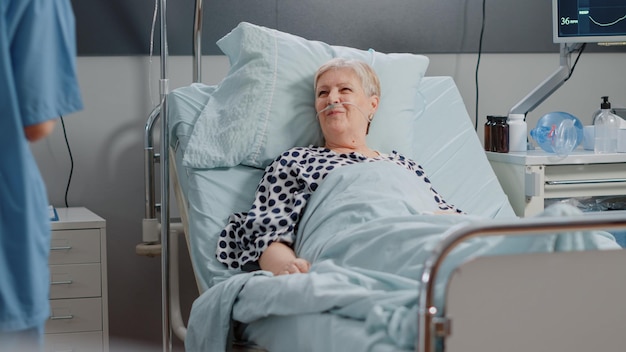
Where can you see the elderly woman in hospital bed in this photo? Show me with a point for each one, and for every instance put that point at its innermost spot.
(347, 94)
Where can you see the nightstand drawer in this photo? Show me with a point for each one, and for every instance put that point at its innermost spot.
(77, 341)
(585, 180)
(75, 246)
(74, 315)
(75, 281)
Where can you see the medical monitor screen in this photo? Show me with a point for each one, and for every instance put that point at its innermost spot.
(589, 21)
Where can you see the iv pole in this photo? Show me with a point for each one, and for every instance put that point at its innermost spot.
(165, 183)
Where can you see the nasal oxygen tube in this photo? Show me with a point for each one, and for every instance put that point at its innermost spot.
(337, 105)
(342, 104)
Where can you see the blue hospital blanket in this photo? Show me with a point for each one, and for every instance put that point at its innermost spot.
(367, 236)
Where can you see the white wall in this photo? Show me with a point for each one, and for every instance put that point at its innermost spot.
(504, 79)
(106, 140)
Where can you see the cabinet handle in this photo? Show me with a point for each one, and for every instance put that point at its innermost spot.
(62, 248)
(62, 317)
(580, 182)
(65, 282)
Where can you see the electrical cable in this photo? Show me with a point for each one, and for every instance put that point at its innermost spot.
(480, 49)
(571, 71)
(69, 150)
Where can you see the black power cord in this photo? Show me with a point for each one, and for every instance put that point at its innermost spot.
(571, 71)
(69, 150)
(480, 49)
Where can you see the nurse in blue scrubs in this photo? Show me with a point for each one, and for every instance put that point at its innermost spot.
(37, 85)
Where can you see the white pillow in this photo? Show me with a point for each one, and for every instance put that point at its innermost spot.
(265, 104)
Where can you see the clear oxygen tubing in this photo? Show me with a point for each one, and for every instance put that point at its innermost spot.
(369, 119)
(341, 105)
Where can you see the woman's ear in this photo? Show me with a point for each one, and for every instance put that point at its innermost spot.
(374, 100)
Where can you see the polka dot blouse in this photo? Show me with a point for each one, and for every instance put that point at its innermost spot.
(282, 195)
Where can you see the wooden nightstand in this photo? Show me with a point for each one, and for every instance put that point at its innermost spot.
(78, 276)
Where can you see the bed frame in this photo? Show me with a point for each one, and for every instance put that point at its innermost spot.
(485, 311)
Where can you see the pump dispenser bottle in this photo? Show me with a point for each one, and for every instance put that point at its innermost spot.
(606, 128)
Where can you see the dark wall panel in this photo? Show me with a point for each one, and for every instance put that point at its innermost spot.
(123, 27)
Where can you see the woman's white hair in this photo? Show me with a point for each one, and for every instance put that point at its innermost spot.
(369, 79)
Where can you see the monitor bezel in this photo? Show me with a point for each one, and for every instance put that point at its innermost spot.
(579, 39)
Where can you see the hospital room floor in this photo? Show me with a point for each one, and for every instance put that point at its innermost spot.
(124, 345)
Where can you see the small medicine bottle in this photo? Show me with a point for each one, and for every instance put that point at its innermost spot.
(487, 136)
(500, 135)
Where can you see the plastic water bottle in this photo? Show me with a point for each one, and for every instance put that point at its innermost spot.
(606, 127)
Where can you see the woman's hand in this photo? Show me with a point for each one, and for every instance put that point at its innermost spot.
(443, 212)
(280, 259)
(296, 266)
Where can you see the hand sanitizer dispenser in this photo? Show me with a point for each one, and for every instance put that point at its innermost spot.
(606, 129)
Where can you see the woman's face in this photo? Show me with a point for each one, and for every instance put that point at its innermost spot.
(337, 86)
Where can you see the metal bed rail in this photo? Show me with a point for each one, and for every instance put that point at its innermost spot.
(432, 324)
(150, 224)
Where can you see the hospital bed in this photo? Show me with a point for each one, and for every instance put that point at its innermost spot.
(220, 138)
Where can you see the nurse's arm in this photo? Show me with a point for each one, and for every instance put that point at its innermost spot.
(39, 130)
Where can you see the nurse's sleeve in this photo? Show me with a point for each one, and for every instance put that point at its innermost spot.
(44, 61)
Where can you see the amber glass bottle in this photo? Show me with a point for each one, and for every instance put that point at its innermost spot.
(488, 126)
(500, 135)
